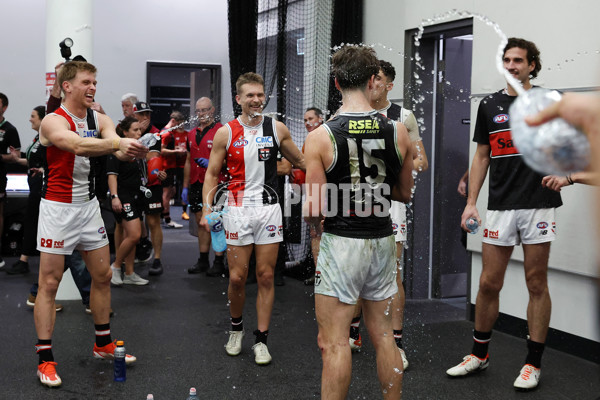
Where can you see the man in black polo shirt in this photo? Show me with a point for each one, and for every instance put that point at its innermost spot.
(9, 137)
(520, 210)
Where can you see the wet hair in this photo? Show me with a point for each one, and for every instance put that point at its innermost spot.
(125, 125)
(388, 70)
(533, 54)
(70, 70)
(131, 97)
(4, 99)
(316, 110)
(248, 77)
(353, 66)
(177, 116)
(41, 111)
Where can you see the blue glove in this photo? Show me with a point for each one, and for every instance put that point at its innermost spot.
(203, 162)
(184, 196)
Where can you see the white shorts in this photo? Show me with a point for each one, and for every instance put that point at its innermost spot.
(350, 268)
(398, 215)
(258, 225)
(64, 227)
(511, 227)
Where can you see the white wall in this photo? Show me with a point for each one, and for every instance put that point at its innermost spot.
(569, 45)
(126, 34)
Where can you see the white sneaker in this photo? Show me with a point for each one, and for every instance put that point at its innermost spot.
(261, 354)
(404, 360)
(528, 378)
(234, 344)
(469, 365)
(174, 224)
(116, 276)
(134, 279)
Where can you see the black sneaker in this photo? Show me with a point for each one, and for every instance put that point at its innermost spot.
(20, 267)
(198, 268)
(156, 268)
(217, 269)
(144, 251)
(278, 278)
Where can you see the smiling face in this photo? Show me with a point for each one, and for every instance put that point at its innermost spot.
(251, 98)
(35, 121)
(82, 88)
(311, 120)
(515, 62)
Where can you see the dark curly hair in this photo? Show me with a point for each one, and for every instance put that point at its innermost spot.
(533, 54)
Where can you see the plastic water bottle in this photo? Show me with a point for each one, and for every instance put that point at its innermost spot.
(150, 396)
(552, 148)
(217, 233)
(473, 225)
(120, 371)
(193, 395)
(149, 139)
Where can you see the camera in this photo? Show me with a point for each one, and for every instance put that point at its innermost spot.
(65, 51)
(147, 192)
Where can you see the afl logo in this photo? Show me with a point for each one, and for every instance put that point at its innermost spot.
(101, 230)
(240, 143)
(501, 118)
(271, 228)
(394, 226)
(542, 225)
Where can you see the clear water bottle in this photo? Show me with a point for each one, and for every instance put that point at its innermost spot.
(149, 139)
(120, 371)
(193, 395)
(217, 233)
(555, 147)
(472, 225)
(150, 396)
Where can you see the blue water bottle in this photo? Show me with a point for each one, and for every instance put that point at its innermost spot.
(217, 233)
(472, 225)
(120, 371)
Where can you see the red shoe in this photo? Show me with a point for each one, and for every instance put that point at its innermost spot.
(108, 353)
(356, 344)
(47, 374)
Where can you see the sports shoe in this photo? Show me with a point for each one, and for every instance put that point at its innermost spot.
(198, 268)
(31, 303)
(144, 251)
(234, 344)
(116, 276)
(108, 353)
(261, 354)
(185, 216)
(2, 263)
(528, 378)
(355, 344)
(47, 374)
(134, 279)
(174, 225)
(19, 267)
(404, 360)
(470, 364)
(156, 268)
(217, 269)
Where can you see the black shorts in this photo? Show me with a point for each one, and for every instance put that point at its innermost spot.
(195, 197)
(133, 206)
(154, 203)
(174, 175)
